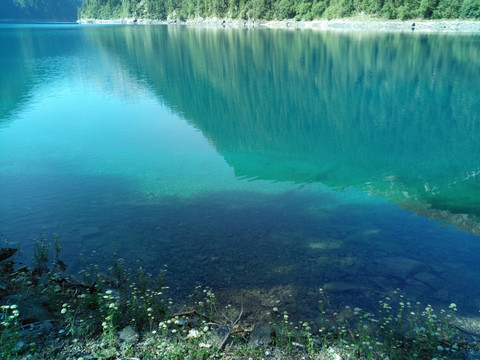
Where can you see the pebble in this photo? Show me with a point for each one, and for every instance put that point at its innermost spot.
(298, 345)
(128, 335)
(19, 347)
(193, 333)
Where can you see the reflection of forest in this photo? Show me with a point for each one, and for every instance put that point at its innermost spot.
(396, 115)
(59, 10)
(16, 77)
(23, 50)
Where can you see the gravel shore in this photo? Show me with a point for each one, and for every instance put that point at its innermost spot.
(423, 26)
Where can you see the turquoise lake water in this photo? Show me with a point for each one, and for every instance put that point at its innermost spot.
(266, 164)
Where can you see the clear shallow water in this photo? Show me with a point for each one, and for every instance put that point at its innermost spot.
(266, 164)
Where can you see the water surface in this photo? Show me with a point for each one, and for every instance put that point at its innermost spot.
(266, 164)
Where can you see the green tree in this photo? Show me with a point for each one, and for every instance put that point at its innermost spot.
(470, 9)
(285, 9)
(426, 8)
(262, 9)
(318, 8)
(257, 9)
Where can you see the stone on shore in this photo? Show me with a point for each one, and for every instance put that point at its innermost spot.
(128, 335)
(6, 253)
(361, 24)
(260, 336)
(217, 336)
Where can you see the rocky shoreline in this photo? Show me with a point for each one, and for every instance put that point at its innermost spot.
(47, 313)
(422, 26)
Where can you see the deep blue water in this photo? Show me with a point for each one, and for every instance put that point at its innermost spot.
(265, 164)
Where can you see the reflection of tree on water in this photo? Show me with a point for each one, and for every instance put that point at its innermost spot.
(388, 114)
(305, 108)
(23, 50)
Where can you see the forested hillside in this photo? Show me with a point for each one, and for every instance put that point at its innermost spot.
(36, 10)
(281, 9)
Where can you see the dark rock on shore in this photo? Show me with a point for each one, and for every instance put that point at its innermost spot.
(33, 308)
(260, 336)
(6, 253)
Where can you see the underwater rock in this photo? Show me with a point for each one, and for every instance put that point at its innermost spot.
(429, 279)
(338, 286)
(200, 258)
(442, 295)
(89, 232)
(416, 288)
(400, 267)
(386, 284)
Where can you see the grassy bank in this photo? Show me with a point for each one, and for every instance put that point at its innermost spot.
(47, 313)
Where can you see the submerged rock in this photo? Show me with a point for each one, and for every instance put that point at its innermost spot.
(386, 283)
(89, 232)
(429, 279)
(416, 288)
(338, 286)
(399, 267)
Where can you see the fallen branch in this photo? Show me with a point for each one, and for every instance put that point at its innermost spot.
(239, 331)
(191, 313)
(230, 332)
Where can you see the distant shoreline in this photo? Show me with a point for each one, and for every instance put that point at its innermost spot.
(423, 26)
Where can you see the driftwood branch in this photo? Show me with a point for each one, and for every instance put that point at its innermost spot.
(192, 313)
(230, 332)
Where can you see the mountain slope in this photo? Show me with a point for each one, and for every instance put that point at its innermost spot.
(39, 10)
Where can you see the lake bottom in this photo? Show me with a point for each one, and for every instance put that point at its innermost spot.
(260, 250)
